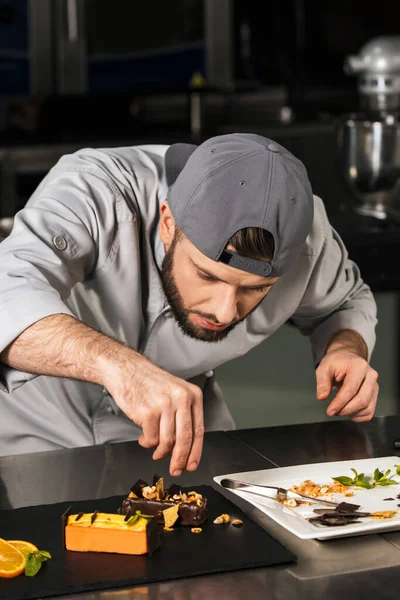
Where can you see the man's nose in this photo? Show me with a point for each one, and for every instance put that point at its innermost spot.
(225, 306)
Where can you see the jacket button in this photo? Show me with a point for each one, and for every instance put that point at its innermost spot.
(209, 373)
(60, 242)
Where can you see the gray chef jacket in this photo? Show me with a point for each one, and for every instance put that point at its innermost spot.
(87, 245)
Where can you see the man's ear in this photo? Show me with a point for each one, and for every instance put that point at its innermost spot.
(167, 225)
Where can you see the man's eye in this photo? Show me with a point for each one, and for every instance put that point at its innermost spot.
(260, 289)
(205, 277)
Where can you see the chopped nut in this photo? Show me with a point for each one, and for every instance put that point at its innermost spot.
(199, 502)
(196, 530)
(291, 502)
(313, 490)
(168, 529)
(176, 497)
(132, 495)
(224, 518)
(149, 492)
(237, 522)
(196, 495)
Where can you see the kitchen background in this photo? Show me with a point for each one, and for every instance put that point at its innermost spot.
(78, 73)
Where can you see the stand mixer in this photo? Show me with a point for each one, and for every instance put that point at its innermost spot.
(369, 140)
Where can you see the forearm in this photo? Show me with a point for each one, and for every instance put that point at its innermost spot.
(336, 298)
(62, 346)
(168, 409)
(350, 341)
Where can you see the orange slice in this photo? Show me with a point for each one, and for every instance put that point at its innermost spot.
(12, 561)
(23, 546)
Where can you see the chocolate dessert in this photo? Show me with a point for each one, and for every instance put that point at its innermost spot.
(191, 507)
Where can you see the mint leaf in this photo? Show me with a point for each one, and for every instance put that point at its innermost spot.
(385, 482)
(32, 566)
(34, 562)
(382, 478)
(362, 481)
(359, 480)
(363, 484)
(344, 480)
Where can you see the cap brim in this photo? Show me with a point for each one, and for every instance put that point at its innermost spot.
(176, 158)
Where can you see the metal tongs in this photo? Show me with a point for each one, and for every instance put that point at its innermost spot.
(282, 493)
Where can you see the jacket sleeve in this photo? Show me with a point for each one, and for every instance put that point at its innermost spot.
(336, 297)
(55, 243)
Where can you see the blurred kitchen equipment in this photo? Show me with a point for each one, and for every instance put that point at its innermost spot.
(369, 139)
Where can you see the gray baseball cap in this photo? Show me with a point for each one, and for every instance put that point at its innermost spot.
(234, 181)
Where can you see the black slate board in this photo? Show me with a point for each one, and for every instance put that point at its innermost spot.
(182, 553)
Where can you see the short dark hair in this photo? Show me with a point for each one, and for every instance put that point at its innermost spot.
(253, 242)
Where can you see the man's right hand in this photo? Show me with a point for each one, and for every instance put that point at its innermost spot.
(168, 409)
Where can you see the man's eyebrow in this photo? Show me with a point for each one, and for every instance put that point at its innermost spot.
(215, 278)
(206, 272)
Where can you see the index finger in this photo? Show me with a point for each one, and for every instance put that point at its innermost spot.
(198, 433)
(349, 388)
(183, 440)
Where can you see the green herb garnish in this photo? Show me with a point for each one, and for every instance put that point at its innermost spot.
(344, 480)
(140, 514)
(34, 561)
(136, 516)
(359, 480)
(383, 478)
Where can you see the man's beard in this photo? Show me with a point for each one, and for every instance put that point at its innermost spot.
(181, 315)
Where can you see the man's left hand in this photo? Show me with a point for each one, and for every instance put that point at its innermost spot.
(356, 380)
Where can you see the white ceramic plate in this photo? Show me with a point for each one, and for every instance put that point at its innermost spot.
(295, 519)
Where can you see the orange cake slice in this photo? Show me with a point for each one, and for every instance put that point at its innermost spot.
(108, 532)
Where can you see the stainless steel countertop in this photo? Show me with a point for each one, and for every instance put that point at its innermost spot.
(358, 567)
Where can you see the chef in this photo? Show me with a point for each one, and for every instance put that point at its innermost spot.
(132, 273)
